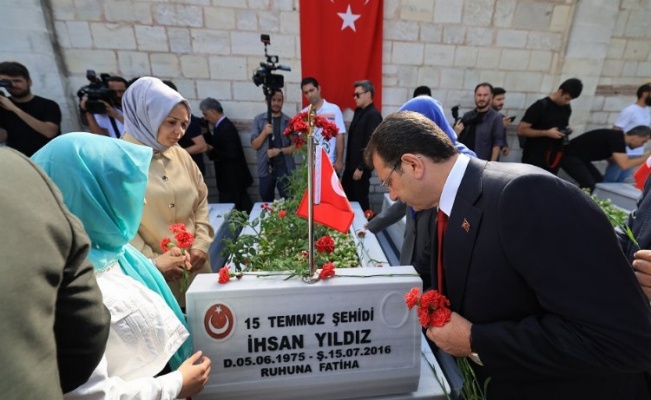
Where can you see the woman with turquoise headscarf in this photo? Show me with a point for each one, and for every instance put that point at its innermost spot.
(103, 182)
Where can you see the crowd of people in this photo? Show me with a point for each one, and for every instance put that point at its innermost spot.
(528, 261)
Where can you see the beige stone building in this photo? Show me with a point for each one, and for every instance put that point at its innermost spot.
(211, 47)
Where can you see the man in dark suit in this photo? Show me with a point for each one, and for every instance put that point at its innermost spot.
(357, 176)
(231, 171)
(640, 255)
(543, 299)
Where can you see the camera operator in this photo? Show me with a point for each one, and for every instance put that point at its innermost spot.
(111, 122)
(29, 121)
(482, 129)
(273, 149)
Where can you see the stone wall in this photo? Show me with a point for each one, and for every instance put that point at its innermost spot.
(211, 47)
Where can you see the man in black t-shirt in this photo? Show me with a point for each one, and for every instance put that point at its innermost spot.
(545, 126)
(30, 121)
(602, 144)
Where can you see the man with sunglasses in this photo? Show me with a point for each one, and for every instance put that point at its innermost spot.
(357, 176)
(544, 304)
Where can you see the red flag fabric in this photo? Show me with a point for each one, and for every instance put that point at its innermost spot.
(642, 173)
(331, 206)
(341, 42)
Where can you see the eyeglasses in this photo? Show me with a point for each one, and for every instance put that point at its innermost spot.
(385, 182)
(358, 94)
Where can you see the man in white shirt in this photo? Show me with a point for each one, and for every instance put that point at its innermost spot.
(335, 147)
(634, 115)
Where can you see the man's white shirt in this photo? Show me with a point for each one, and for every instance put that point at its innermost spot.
(332, 113)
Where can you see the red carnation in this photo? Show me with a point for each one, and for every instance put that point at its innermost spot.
(361, 234)
(440, 317)
(327, 271)
(184, 239)
(369, 214)
(176, 228)
(282, 214)
(325, 245)
(224, 275)
(164, 244)
(412, 297)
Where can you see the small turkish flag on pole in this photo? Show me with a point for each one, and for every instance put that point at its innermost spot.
(642, 173)
(331, 206)
(341, 42)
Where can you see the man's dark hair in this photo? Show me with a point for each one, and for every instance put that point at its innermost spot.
(572, 86)
(486, 84)
(211, 104)
(170, 84)
(643, 89)
(640, 130)
(422, 91)
(308, 80)
(366, 85)
(498, 91)
(13, 68)
(408, 132)
(118, 79)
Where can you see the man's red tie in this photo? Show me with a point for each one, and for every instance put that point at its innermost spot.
(441, 224)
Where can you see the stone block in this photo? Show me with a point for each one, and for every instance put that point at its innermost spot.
(540, 60)
(511, 38)
(560, 18)
(616, 103)
(504, 12)
(246, 110)
(516, 104)
(134, 63)
(123, 11)
(549, 83)
(451, 78)
(210, 41)
(218, 89)
(407, 53)
(447, 12)
(465, 56)
(59, 28)
(612, 68)
(620, 23)
(187, 88)
(230, 3)
(544, 41)
(79, 34)
(151, 38)
(597, 103)
(600, 118)
(430, 33)
(524, 81)
(269, 21)
(259, 4)
(478, 12)
(248, 43)
(428, 76)
(637, 50)
(88, 10)
(454, 34)
(229, 67)
(416, 10)
(616, 48)
(393, 98)
(644, 69)
(61, 10)
(407, 77)
(439, 54)
(246, 20)
(638, 23)
(178, 15)
(247, 91)
(514, 59)
(400, 30)
(470, 80)
(78, 61)
(194, 66)
(179, 40)
(113, 36)
(219, 18)
(289, 23)
(533, 16)
(629, 69)
(488, 57)
(284, 5)
(165, 65)
(479, 36)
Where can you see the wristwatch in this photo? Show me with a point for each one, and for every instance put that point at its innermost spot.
(475, 358)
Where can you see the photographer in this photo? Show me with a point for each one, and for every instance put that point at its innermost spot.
(110, 122)
(273, 150)
(29, 121)
(482, 129)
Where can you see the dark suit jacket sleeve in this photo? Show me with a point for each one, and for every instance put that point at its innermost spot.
(638, 222)
(373, 119)
(593, 317)
(226, 142)
(387, 217)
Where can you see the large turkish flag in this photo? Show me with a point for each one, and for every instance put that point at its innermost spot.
(341, 42)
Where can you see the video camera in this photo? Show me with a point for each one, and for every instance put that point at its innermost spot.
(6, 84)
(468, 119)
(95, 91)
(264, 75)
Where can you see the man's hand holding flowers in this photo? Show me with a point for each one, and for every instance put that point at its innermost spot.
(453, 337)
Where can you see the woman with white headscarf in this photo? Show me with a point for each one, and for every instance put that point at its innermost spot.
(157, 116)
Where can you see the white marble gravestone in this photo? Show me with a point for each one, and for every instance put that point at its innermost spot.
(271, 338)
